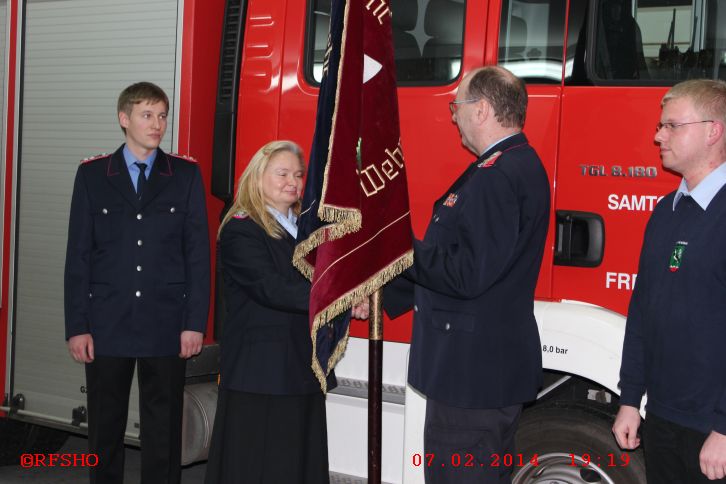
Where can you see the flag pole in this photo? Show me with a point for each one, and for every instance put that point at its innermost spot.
(375, 370)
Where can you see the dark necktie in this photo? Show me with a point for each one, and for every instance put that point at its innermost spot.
(141, 180)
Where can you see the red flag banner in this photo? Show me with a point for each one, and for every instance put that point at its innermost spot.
(354, 231)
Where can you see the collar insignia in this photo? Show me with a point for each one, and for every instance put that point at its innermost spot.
(451, 200)
(489, 161)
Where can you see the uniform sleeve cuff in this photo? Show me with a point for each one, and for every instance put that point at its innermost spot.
(719, 423)
(75, 330)
(199, 328)
(631, 397)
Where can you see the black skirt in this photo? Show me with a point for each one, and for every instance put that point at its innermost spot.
(268, 439)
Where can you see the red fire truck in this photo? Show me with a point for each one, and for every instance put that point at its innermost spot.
(243, 72)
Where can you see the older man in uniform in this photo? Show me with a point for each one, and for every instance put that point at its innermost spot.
(674, 338)
(137, 287)
(475, 349)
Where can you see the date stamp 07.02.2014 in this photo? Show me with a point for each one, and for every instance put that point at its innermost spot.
(468, 461)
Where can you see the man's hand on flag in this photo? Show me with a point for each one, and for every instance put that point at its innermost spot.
(361, 309)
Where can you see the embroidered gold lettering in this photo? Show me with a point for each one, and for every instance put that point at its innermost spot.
(373, 177)
(389, 170)
(395, 154)
(375, 184)
(380, 11)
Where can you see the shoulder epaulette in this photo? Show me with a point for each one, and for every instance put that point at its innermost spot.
(240, 215)
(184, 157)
(490, 161)
(94, 158)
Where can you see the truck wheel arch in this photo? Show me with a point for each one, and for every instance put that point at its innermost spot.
(581, 339)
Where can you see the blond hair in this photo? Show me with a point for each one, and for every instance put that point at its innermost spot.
(708, 97)
(249, 198)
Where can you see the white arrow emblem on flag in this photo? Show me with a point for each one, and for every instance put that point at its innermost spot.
(371, 67)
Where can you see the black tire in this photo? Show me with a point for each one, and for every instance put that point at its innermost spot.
(560, 433)
(22, 437)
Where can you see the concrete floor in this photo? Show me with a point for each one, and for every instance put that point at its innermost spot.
(15, 474)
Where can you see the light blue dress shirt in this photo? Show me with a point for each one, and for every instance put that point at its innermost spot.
(289, 222)
(704, 191)
(134, 169)
(498, 141)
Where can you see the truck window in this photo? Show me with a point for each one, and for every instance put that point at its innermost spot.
(427, 40)
(648, 42)
(531, 38)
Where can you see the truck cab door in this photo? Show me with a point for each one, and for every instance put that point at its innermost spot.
(622, 55)
(531, 45)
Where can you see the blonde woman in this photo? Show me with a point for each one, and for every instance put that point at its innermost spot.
(270, 425)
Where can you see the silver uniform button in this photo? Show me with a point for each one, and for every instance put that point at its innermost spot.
(172, 209)
(448, 326)
(138, 268)
(415, 308)
(139, 242)
(138, 293)
(436, 219)
(104, 211)
(90, 294)
(139, 216)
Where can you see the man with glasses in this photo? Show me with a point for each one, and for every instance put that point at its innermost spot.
(676, 329)
(475, 349)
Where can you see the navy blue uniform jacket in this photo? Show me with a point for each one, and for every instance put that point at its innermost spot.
(266, 345)
(137, 272)
(475, 341)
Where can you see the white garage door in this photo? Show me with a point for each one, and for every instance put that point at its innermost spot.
(78, 55)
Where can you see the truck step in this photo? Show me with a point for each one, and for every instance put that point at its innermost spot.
(351, 387)
(337, 478)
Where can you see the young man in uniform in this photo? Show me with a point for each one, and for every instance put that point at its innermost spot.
(137, 287)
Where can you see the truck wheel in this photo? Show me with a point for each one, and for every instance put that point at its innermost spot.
(573, 444)
(22, 437)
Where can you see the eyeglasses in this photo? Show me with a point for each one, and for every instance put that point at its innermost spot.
(454, 105)
(672, 126)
